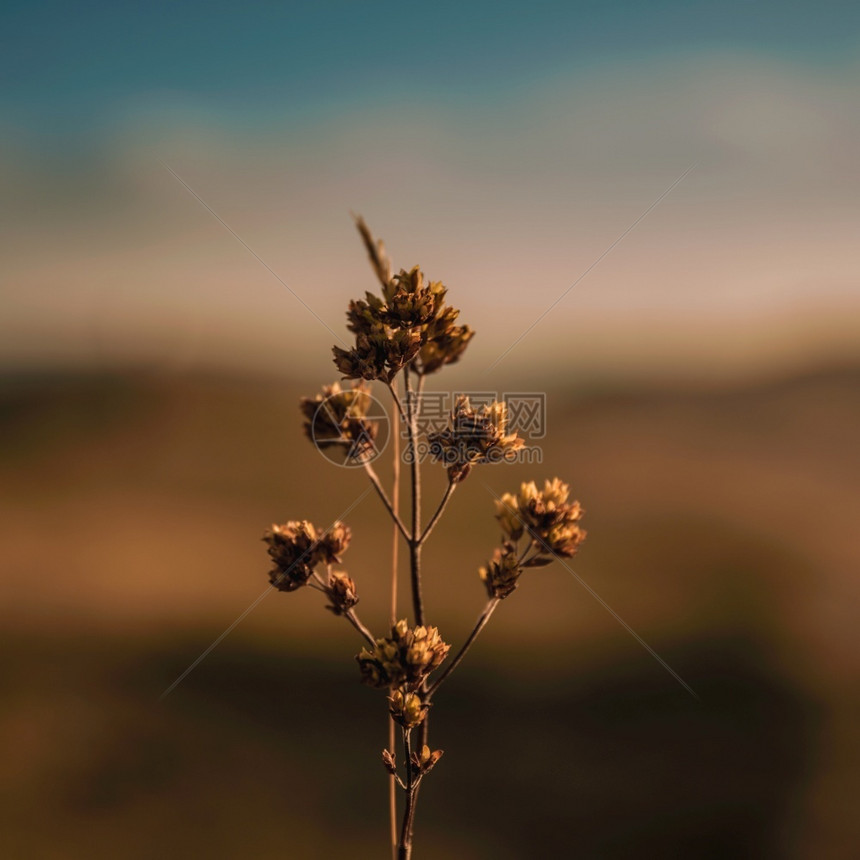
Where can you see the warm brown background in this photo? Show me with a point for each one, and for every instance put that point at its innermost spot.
(722, 523)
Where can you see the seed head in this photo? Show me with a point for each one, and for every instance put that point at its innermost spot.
(474, 436)
(552, 524)
(406, 708)
(405, 657)
(550, 519)
(364, 316)
(501, 573)
(337, 416)
(508, 517)
(445, 343)
(293, 547)
(389, 762)
(425, 761)
(340, 590)
(409, 303)
(297, 547)
(334, 542)
(379, 353)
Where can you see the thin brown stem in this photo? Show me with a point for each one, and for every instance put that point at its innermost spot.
(522, 558)
(395, 549)
(389, 506)
(449, 491)
(395, 506)
(479, 626)
(397, 401)
(417, 599)
(411, 420)
(404, 851)
(350, 616)
(414, 543)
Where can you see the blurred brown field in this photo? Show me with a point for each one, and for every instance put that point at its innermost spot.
(722, 524)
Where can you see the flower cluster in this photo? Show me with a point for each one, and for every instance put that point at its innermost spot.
(474, 436)
(444, 343)
(407, 708)
(338, 416)
(411, 303)
(547, 519)
(501, 573)
(297, 547)
(404, 658)
(546, 515)
(424, 761)
(379, 353)
(409, 323)
(340, 590)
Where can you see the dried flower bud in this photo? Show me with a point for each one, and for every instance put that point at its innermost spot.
(502, 572)
(474, 436)
(334, 542)
(337, 416)
(443, 346)
(294, 549)
(509, 519)
(406, 708)
(340, 590)
(564, 539)
(405, 657)
(425, 761)
(390, 762)
(364, 317)
(379, 353)
(409, 302)
(550, 519)
(401, 347)
(363, 361)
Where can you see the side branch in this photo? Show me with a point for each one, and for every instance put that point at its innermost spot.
(479, 626)
(350, 616)
(374, 479)
(439, 511)
(397, 401)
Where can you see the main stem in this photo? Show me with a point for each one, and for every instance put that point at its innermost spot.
(395, 545)
(411, 417)
(405, 849)
(415, 540)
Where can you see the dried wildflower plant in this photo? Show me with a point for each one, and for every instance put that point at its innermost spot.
(409, 332)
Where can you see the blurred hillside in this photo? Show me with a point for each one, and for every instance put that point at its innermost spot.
(722, 528)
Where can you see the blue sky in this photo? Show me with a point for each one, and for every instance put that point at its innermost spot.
(67, 67)
(502, 146)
